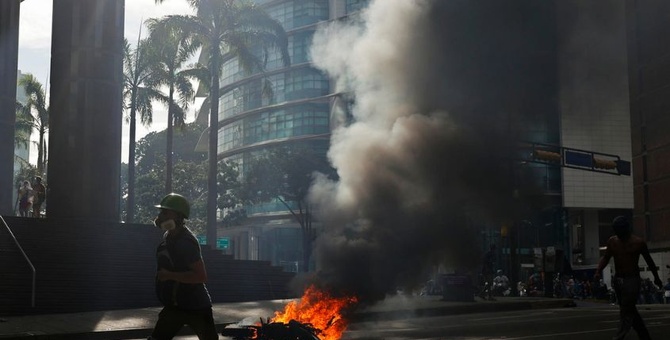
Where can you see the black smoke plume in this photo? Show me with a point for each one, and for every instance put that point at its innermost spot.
(426, 158)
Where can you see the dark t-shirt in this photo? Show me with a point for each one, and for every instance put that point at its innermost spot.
(176, 253)
(489, 260)
(40, 193)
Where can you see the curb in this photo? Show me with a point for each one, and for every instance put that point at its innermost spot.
(465, 308)
(362, 316)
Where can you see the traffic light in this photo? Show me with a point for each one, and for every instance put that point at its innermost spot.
(547, 156)
(504, 230)
(555, 155)
(604, 164)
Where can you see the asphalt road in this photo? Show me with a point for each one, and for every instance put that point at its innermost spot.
(587, 321)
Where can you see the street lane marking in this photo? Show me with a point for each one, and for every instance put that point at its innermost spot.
(644, 319)
(564, 334)
(511, 316)
(573, 333)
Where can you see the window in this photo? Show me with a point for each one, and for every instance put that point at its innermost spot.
(356, 5)
(304, 119)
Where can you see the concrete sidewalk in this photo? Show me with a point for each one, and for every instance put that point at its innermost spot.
(137, 323)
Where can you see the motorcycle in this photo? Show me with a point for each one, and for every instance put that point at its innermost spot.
(501, 289)
(560, 291)
(522, 288)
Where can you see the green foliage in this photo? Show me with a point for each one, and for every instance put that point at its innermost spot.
(23, 126)
(138, 93)
(189, 176)
(284, 173)
(240, 30)
(170, 48)
(138, 90)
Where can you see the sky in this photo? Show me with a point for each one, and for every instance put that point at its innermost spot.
(35, 49)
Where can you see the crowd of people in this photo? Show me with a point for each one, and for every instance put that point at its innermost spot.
(30, 198)
(570, 286)
(580, 288)
(585, 288)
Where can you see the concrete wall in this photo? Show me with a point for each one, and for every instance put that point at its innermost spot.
(591, 237)
(86, 109)
(9, 49)
(650, 92)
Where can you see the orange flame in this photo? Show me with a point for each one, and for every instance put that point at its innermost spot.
(319, 309)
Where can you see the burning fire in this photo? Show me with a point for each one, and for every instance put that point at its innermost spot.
(319, 309)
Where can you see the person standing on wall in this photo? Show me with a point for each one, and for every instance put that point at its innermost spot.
(626, 249)
(181, 275)
(25, 198)
(40, 195)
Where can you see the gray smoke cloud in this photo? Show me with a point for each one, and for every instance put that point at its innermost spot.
(419, 166)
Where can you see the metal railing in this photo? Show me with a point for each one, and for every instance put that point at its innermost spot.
(30, 263)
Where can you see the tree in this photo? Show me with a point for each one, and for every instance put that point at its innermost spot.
(191, 181)
(172, 49)
(22, 127)
(36, 114)
(138, 92)
(238, 29)
(285, 174)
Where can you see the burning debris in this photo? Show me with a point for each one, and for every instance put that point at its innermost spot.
(316, 316)
(292, 330)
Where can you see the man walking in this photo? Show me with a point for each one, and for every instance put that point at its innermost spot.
(626, 249)
(181, 276)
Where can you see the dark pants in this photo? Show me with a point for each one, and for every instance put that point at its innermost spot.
(171, 320)
(627, 290)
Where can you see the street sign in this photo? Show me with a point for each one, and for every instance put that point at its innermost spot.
(577, 158)
(222, 243)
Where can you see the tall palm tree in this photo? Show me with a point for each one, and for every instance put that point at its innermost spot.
(23, 128)
(138, 92)
(172, 49)
(229, 29)
(36, 111)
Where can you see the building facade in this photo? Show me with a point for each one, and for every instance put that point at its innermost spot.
(594, 110)
(649, 77)
(299, 113)
(611, 90)
(561, 73)
(557, 71)
(612, 62)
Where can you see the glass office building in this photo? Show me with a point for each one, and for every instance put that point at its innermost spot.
(298, 113)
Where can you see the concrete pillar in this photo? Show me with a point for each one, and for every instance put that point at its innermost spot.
(591, 237)
(9, 51)
(86, 109)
